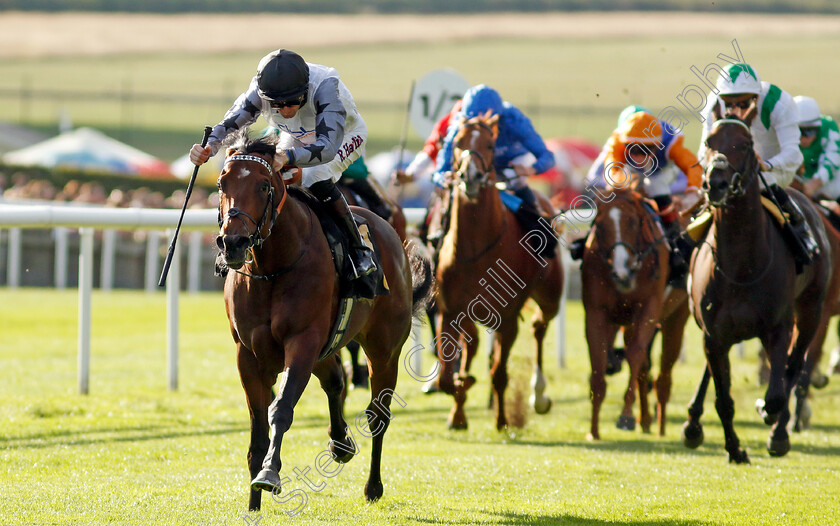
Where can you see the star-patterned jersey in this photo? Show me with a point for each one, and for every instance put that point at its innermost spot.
(314, 135)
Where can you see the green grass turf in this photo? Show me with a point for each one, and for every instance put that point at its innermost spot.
(569, 87)
(132, 452)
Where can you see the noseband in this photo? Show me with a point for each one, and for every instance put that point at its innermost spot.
(256, 239)
(486, 165)
(738, 185)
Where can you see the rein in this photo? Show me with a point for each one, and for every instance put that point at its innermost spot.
(257, 239)
(721, 162)
(641, 255)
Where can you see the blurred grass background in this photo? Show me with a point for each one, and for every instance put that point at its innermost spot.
(569, 87)
(132, 452)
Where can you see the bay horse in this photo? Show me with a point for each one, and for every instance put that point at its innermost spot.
(744, 284)
(624, 272)
(486, 271)
(283, 303)
(358, 372)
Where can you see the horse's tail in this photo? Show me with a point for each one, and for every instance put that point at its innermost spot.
(422, 279)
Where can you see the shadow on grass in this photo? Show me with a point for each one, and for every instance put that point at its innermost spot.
(105, 435)
(514, 519)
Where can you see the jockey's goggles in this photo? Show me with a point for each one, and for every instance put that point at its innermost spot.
(297, 101)
(808, 132)
(743, 104)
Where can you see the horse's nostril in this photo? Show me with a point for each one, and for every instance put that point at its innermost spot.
(220, 243)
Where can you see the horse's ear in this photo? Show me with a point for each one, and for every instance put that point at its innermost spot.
(751, 113)
(493, 122)
(717, 111)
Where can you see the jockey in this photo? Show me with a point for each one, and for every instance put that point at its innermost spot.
(643, 144)
(424, 161)
(820, 146)
(355, 177)
(772, 116)
(520, 151)
(319, 128)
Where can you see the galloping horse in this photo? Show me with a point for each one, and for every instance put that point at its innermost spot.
(744, 285)
(486, 271)
(359, 372)
(624, 273)
(283, 303)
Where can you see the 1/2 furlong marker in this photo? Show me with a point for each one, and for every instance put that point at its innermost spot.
(168, 262)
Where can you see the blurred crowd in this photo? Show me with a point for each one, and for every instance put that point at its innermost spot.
(20, 186)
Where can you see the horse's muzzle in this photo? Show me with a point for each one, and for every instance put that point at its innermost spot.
(233, 249)
(716, 188)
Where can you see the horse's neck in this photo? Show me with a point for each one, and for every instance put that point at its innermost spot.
(740, 233)
(283, 247)
(476, 222)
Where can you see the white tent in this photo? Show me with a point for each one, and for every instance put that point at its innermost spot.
(91, 150)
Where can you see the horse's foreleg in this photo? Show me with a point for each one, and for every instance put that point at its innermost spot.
(463, 380)
(692, 430)
(600, 336)
(776, 344)
(502, 343)
(718, 357)
(300, 359)
(258, 396)
(382, 382)
(540, 402)
(331, 376)
(673, 328)
(637, 342)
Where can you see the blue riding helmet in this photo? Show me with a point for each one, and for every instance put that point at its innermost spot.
(479, 99)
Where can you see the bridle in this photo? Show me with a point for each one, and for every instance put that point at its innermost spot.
(256, 239)
(483, 172)
(640, 255)
(741, 178)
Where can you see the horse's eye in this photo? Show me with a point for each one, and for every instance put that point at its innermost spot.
(219, 185)
(264, 187)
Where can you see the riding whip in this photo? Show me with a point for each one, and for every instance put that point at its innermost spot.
(404, 138)
(171, 253)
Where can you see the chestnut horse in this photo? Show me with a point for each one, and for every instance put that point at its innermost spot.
(744, 285)
(624, 272)
(283, 303)
(486, 271)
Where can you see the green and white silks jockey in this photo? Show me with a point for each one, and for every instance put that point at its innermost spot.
(739, 92)
(820, 146)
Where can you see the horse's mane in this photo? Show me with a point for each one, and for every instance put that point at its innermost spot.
(244, 143)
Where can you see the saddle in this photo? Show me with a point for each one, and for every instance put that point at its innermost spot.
(699, 226)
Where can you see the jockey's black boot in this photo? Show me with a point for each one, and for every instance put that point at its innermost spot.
(802, 242)
(577, 247)
(361, 256)
(369, 193)
(529, 215)
(671, 226)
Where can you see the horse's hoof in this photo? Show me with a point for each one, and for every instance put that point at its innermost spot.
(457, 425)
(769, 419)
(464, 382)
(739, 457)
(778, 447)
(373, 491)
(819, 380)
(342, 451)
(266, 480)
(692, 435)
(542, 405)
(592, 437)
(430, 387)
(627, 423)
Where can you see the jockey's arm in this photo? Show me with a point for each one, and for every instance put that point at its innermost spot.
(329, 128)
(244, 112)
(785, 164)
(686, 161)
